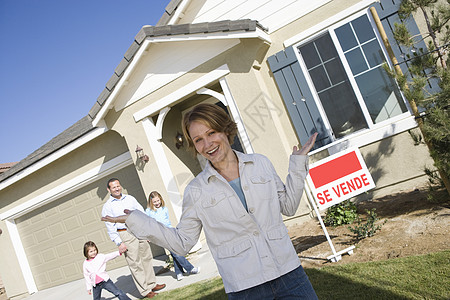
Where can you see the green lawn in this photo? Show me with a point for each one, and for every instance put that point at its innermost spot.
(415, 277)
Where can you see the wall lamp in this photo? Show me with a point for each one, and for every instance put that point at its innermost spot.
(179, 141)
(142, 156)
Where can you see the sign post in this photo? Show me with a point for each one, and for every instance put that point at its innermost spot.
(334, 179)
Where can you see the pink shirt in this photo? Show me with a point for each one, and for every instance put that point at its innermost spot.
(94, 270)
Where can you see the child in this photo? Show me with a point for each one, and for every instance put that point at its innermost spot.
(158, 211)
(94, 272)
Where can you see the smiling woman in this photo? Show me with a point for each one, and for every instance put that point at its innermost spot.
(212, 139)
(238, 200)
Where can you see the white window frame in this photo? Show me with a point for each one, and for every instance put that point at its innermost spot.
(374, 132)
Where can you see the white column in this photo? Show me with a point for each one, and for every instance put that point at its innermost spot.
(21, 256)
(162, 163)
(236, 116)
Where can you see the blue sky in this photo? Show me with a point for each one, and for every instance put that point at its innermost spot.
(55, 59)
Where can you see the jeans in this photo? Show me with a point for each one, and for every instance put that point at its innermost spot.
(180, 263)
(109, 286)
(293, 285)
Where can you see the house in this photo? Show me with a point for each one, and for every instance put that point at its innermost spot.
(282, 69)
(6, 166)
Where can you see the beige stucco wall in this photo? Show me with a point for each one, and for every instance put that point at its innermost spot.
(82, 159)
(396, 165)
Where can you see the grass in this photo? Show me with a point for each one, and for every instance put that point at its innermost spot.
(414, 277)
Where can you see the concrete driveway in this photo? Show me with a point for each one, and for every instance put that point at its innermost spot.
(76, 290)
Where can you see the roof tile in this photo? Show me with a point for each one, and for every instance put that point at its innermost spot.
(243, 25)
(180, 29)
(94, 110)
(198, 28)
(143, 33)
(121, 67)
(170, 8)
(219, 26)
(164, 19)
(131, 51)
(103, 96)
(161, 30)
(112, 82)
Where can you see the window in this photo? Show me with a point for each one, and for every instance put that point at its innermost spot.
(346, 77)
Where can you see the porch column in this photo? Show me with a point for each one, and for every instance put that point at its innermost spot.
(152, 132)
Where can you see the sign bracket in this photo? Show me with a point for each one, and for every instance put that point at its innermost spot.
(336, 256)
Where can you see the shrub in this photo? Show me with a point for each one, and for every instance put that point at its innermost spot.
(367, 229)
(340, 214)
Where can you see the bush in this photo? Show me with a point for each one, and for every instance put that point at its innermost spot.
(367, 229)
(340, 214)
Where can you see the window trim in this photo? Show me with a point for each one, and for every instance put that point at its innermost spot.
(374, 132)
(359, 97)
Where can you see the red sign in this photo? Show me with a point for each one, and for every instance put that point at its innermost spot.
(339, 177)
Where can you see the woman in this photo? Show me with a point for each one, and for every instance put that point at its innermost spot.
(238, 200)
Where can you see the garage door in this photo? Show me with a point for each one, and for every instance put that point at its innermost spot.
(53, 235)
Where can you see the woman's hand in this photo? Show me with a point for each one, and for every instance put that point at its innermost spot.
(306, 147)
(119, 219)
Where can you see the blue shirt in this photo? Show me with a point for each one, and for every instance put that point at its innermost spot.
(161, 215)
(237, 187)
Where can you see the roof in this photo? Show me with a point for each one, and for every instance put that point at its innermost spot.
(72, 133)
(6, 166)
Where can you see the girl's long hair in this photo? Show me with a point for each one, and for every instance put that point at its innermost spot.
(152, 195)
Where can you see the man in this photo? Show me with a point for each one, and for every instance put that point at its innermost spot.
(138, 253)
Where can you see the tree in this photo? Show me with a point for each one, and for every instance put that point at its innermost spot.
(425, 65)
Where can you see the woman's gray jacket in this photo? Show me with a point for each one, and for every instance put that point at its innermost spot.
(249, 248)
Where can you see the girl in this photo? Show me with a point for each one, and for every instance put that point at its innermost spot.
(95, 275)
(156, 209)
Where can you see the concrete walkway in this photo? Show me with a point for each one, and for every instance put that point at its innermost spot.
(76, 290)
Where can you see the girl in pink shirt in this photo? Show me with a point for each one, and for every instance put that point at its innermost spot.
(95, 275)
